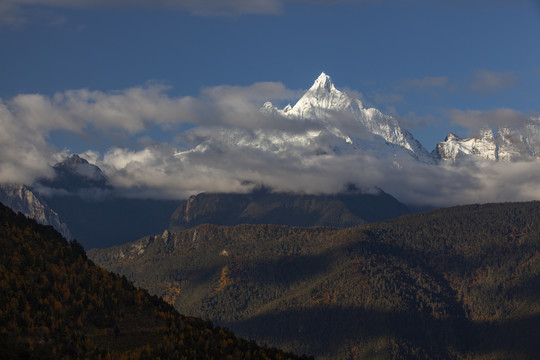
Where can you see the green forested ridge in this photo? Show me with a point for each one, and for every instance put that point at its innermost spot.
(462, 282)
(56, 304)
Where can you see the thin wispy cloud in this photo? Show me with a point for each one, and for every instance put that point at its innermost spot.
(424, 83)
(388, 98)
(197, 7)
(18, 13)
(493, 81)
(478, 119)
(412, 120)
(21, 12)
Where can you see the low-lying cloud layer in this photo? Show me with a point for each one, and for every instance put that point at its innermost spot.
(231, 146)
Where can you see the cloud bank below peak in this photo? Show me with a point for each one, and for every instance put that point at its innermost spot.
(231, 146)
(224, 167)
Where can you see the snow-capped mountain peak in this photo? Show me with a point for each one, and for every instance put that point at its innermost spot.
(344, 118)
(321, 100)
(482, 145)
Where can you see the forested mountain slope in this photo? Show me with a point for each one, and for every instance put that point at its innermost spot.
(56, 304)
(462, 282)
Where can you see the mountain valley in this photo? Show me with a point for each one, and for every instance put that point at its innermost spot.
(451, 283)
(269, 180)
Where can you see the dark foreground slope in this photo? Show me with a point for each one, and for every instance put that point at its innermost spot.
(454, 283)
(265, 207)
(56, 304)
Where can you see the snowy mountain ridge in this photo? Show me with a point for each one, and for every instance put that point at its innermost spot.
(509, 144)
(328, 122)
(355, 128)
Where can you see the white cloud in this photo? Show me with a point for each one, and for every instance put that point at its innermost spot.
(234, 147)
(28, 120)
(388, 98)
(24, 153)
(223, 167)
(132, 110)
(424, 83)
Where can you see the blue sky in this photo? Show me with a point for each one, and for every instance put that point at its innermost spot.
(387, 50)
(437, 66)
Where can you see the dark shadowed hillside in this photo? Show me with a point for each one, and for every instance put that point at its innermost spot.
(83, 198)
(265, 207)
(112, 221)
(56, 304)
(456, 283)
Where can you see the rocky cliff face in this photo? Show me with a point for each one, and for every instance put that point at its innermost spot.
(20, 198)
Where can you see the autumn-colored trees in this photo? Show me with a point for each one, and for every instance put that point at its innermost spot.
(56, 304)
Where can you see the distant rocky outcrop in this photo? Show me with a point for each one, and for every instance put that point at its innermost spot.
(265, 207)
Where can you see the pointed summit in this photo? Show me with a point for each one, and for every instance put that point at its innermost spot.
(75, 174)
(72, 161)
(323, 82)
(321, 99)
